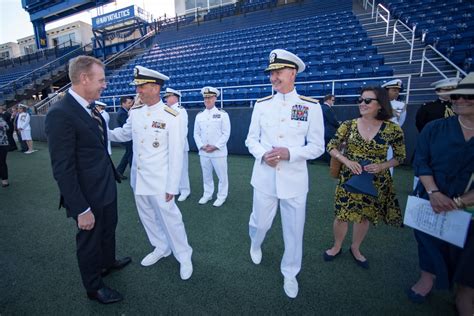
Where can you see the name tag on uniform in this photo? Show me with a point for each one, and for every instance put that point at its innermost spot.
(160, 125)
(299, 113)
(216, 116)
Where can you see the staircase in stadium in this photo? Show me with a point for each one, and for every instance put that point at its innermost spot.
(397, 55)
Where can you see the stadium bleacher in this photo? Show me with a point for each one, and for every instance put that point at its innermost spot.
(336, 49)
(448, 26)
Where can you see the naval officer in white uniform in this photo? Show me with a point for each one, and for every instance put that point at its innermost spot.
(286, 130)
(173, 97)
(158, 144)
(211, 133)
(399, 108)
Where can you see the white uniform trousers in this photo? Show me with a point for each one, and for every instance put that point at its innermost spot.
(293, 213)
(184, 186)
(219, 164)
(164, 225)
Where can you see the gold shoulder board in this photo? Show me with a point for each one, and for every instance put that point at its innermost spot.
(308, 99)
(266, 98)
(171, 111)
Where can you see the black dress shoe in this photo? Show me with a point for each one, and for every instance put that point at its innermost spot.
(105, 295)
(328, 257)
(117, 265)
(363, 264)
(416, 297)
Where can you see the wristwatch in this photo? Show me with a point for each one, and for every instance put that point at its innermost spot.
(432, 191)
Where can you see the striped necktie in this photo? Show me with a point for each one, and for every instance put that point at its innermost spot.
(96, 115)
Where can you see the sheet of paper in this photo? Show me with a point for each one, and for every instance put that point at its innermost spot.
(449, 226)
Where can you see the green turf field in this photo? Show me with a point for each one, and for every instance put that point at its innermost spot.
(39, 273)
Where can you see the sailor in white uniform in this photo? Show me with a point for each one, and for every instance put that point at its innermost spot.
(173, 97)
(211, 133)
(399, 108)
(286, 130)
(158, 144)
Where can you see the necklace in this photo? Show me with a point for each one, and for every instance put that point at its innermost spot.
(466, 127)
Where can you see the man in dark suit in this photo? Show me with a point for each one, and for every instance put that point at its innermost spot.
(126, 103)
(77, 138)
(440, 108)
(331, 124)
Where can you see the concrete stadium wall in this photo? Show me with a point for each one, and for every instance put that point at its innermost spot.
(240, 121)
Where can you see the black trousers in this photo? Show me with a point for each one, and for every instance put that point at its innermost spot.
(126, 158)
(96, 247)
(11, 140)
(3, 162)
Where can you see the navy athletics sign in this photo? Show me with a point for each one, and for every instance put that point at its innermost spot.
(114, 17)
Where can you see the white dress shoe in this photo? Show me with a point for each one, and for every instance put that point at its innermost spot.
(218, 202)
(153, 257)
(256, 255)
(186, 270)
(204, 200)
(183, 197)
(290, 285)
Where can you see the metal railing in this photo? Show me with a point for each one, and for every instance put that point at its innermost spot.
(410, 42)
(379, 12)
(224, 90)
(43, 106)
(368, 3)
(424, 58)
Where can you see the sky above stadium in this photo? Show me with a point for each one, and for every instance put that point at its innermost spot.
(15, 22)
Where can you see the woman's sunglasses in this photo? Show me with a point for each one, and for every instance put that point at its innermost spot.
(464, 96)
(365, 100)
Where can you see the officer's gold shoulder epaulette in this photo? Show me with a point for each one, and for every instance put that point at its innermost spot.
(137, 106)
(308, 99)
(222, 110)
(264, 99)
(171, 111)
(180, 107)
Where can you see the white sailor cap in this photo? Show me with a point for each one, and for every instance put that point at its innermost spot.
(101, 104)
(464, 87)
(144, 75)
(21, 105)
(446, 84)
(210, 92)
(170, 91)
(280, 58)
(396, 83)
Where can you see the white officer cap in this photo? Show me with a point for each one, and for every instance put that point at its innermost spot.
(396, 83)
(101, 104)
(170, 91)
(21, 105)
(280, 58)
(465, 87)
(446, 84)
(144, 75)
(210, 92)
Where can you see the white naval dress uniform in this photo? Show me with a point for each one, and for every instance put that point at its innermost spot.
(399, 116)
(294, 122)
(184, 186)
(156, 169)
(213, 127)
(23, 122)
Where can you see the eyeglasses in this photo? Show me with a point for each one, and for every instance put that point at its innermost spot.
(464, 96)
(366, 100)
(333, 100)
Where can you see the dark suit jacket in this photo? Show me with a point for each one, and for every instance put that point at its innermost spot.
(81, 165)
(122, 116)
(431, 111)
(330, 122)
